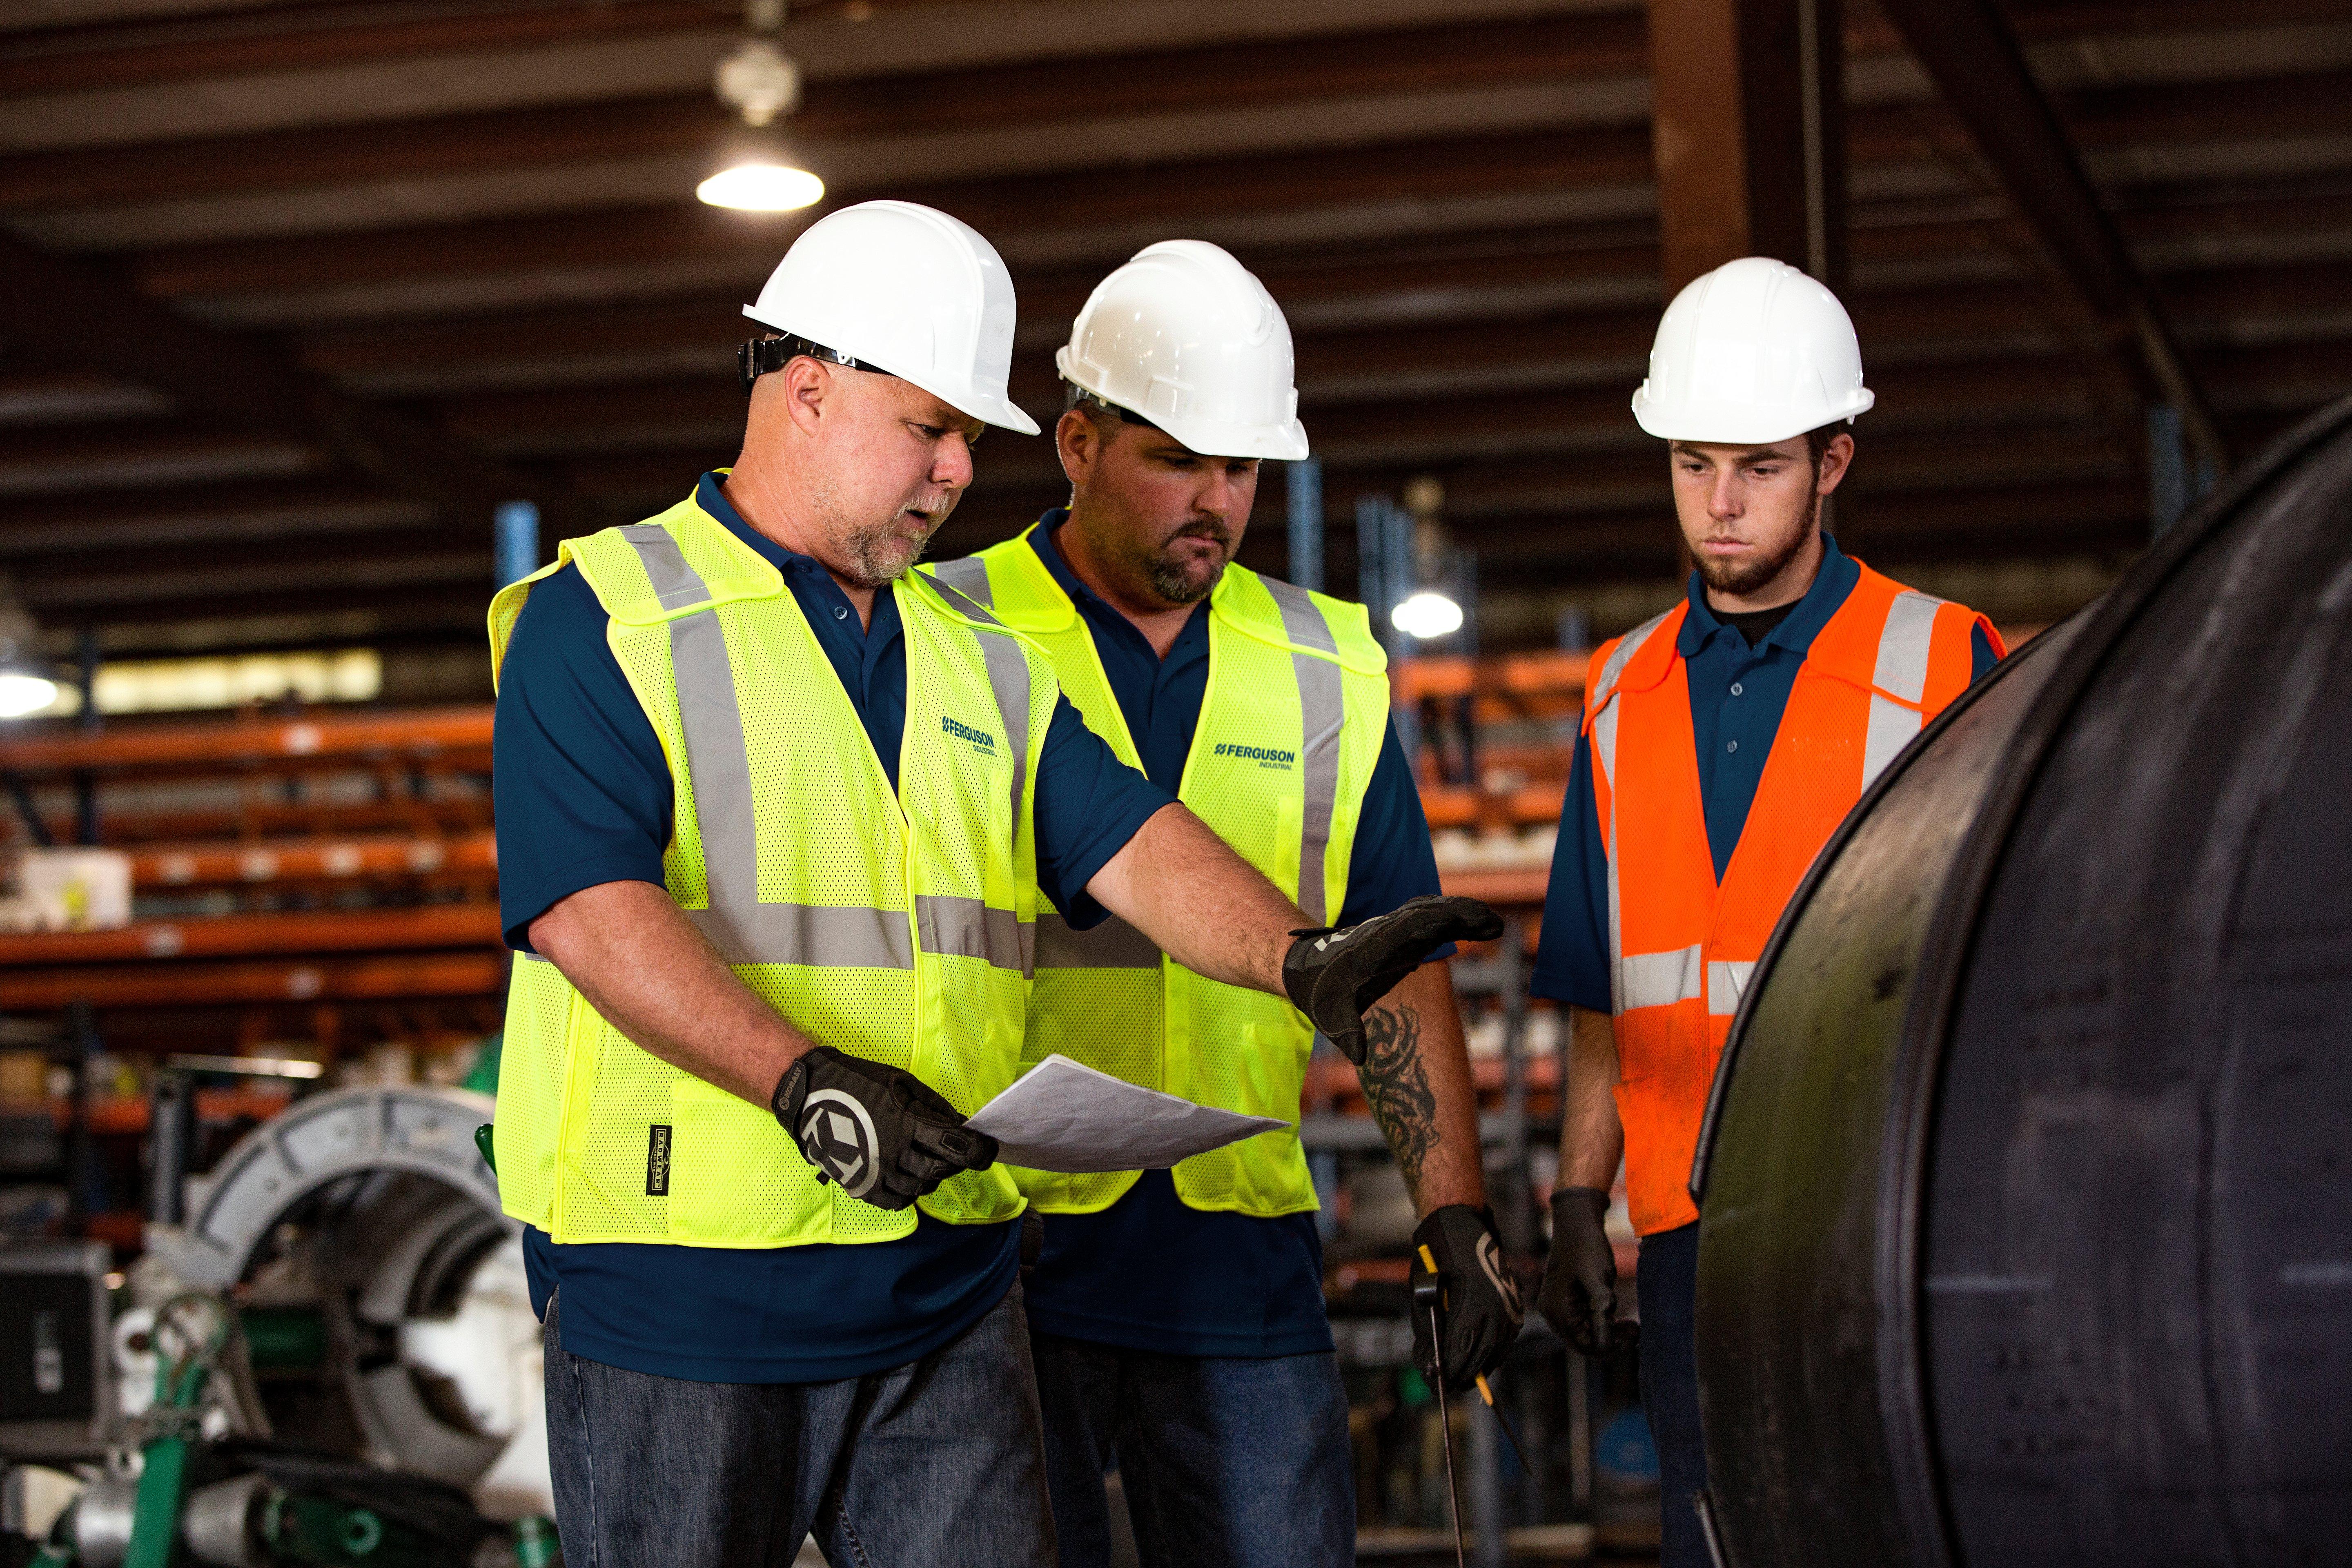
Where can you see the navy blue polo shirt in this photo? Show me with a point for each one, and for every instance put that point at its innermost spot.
(582, 794)
(1148, 1272)
(1738, 693)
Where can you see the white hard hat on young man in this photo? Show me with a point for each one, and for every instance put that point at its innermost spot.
(1187, 339)
(1751, 353)
(901, 288)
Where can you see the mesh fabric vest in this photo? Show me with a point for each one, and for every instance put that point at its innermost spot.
(1290, 729)
(1681, 947)
(896, 926)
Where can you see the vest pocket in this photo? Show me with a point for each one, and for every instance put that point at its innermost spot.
(734, 1178)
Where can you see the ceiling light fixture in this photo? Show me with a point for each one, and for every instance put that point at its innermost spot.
(21, 694)
(762, 85)
(1427, 615)
(23, 689)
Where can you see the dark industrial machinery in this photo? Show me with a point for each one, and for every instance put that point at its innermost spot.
(332, 1359)
(2026, 1229)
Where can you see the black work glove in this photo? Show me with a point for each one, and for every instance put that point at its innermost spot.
(1479, 1301)
(1579, 1297)
(1333, 976)
(883, 1134)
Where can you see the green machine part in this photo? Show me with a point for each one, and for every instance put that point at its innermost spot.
(176, 1419)
(299, 1528)
(285, 1338)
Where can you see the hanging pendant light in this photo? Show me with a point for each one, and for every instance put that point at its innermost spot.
(761, 175)
(759, 81)
(24, 686)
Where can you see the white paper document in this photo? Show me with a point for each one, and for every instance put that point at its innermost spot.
(1062, 1116)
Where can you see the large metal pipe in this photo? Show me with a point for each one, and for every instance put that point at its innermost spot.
(2026, 1223)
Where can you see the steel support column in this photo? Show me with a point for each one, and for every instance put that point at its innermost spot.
(1748, 130)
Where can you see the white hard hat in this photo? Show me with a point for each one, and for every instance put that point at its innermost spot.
(1188, 338)
(1750, 353)
(907, 290)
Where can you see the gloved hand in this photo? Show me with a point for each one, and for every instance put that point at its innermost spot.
(880, 1131)
(1333, 976)
(1479, 1301)
(1579, 1297)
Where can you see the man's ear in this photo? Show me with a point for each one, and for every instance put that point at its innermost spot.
(1836, 459)
(1079, 443)
(800, 390)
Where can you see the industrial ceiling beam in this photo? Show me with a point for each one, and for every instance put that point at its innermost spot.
(82, 314)
(309, 35)
(324, 37)
(1109, 197)
(1967, 48)
(1748, 114)
(666, 233)
(1200, 80)
(1219, 78)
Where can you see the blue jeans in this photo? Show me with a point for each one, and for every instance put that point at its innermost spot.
(1225, 1462)
(1667, 1286)
(935, 1464)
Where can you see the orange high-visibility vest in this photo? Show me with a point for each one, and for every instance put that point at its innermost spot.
(1682, 948)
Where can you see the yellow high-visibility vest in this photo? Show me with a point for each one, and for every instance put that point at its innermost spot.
(898, 927)
(1290, 732)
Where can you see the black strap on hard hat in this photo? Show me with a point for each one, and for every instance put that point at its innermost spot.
(1098, 402)
(758, 357)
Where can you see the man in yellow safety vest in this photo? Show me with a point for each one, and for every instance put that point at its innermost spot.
(777, 819)
(1177, 1316)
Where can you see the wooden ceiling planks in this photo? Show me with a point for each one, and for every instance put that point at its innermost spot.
(1471, 302)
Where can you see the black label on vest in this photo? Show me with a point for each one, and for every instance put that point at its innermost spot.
(658, 1161)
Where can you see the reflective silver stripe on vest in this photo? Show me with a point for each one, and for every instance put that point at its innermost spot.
(1903, 645)
(674, 582)
(1659, 979)
(968, 577)
(823, 936)
(968, 928)
(1604, 748)
(1615, 666)
(1113, 944)
(1322, 710)
(1008, 678)
(716, 757)
(742, 929)
(1724, 982)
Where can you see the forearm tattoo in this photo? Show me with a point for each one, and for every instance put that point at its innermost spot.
(1396, 1083)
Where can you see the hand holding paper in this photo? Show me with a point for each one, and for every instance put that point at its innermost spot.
(1062, 1116)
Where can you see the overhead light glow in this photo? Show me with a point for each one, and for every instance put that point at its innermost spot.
(1427, 615)
(762, 189)
(22, 694)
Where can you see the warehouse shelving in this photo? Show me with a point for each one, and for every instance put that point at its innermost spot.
(312, 882)
(438, 736)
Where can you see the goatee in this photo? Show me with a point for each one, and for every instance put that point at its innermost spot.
(1180, 582)
(1737, 577)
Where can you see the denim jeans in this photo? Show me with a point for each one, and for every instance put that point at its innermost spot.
(1225, 1462)
(935, 1464)
(1667, 1286)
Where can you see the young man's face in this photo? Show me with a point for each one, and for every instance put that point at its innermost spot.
(1162, 518)
(1747, 512)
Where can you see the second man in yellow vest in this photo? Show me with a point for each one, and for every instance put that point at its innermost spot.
(1177, 1317)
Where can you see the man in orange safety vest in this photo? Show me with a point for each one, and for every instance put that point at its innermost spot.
(1721, 743)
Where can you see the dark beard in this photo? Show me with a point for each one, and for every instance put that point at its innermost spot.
(1172, 581)
(1736, 579)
